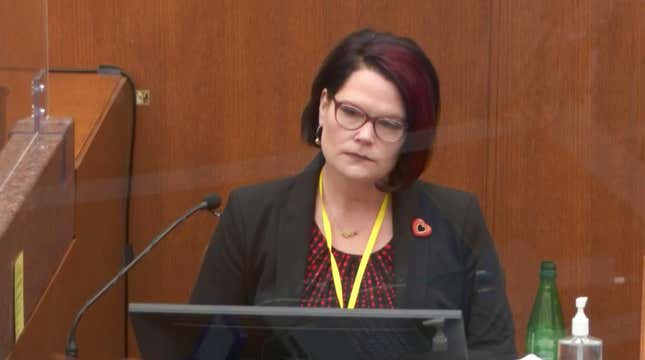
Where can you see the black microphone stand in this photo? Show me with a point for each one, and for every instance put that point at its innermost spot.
(211, 202)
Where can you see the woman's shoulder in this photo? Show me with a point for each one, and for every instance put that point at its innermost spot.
(264, 191)
(274, 194)
(445, 194)
(281, 188)
(453, 203)
(291, 194)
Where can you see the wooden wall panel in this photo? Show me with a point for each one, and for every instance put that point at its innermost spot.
(15, 87)
(643, 315)
(569, 172)
(228, 82)
(526, 122)
(23, 52)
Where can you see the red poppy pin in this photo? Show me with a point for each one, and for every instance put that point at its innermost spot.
(420, 228)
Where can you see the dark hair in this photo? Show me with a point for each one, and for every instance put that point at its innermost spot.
(401, 61)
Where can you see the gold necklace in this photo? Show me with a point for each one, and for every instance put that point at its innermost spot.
(349, 234)
(327, 233)
(345, 234)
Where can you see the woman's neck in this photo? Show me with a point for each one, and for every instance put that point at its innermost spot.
(352, 207)
(349, 195)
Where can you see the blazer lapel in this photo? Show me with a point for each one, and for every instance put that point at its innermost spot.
(294, 232)
(413, 251)
(403, 208)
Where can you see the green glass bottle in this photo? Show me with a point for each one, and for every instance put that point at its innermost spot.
(546, 325)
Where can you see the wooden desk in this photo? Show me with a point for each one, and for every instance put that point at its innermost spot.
(101, 109)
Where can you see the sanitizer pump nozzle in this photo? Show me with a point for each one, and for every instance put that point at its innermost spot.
(580, 322)
(580, 346)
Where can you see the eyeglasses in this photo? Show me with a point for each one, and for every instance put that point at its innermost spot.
(351, 117)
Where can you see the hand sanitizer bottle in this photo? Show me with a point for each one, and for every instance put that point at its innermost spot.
(580, 346)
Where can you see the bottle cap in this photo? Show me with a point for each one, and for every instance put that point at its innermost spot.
(580, 322)
(547, 269)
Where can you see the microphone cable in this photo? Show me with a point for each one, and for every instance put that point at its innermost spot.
(114, 70)
(210, 203)
(128, 252)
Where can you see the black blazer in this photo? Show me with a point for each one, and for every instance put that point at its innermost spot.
(258, 255)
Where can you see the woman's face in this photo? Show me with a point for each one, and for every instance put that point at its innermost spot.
(360, 154)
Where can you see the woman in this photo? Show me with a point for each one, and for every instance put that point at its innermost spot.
(356, 228)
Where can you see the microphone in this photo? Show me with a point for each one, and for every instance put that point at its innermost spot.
(210, 203)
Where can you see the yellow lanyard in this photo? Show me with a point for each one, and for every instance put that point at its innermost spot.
(366, 253)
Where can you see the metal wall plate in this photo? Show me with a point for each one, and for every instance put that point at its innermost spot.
(143, 97)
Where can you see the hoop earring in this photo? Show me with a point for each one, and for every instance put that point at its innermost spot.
(318, 133)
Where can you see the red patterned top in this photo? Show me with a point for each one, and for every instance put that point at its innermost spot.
(376, 288)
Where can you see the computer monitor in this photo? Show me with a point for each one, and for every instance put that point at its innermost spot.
(166, 331)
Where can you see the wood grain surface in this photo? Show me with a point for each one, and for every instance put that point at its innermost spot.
(23, 53)
(542, 119)
(36, 218)
(101, 108)
(569, 165)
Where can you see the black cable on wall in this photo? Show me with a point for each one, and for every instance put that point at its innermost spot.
(128, 253)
